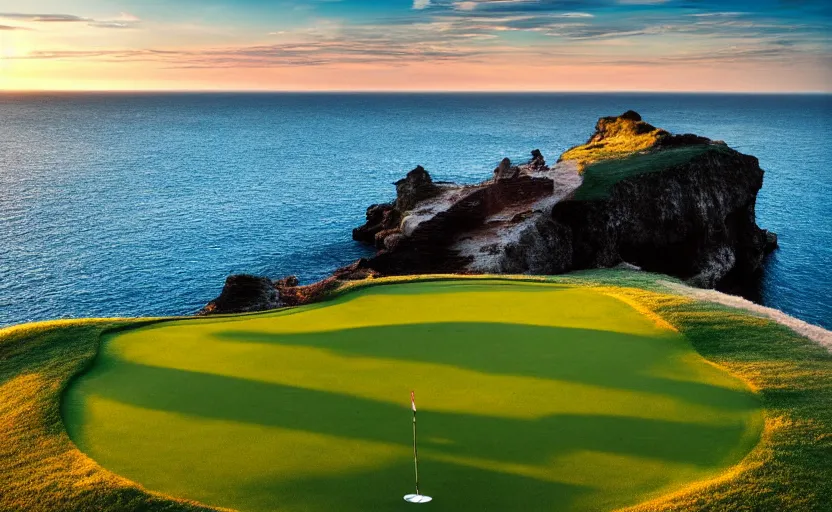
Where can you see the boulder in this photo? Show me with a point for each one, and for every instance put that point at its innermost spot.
(505, 171)
(380, 217)
(631, 115)
(287, 282)
(537, 163)
(244, 293)
(415, 187)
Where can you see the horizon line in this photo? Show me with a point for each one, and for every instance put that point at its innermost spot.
(409, 91)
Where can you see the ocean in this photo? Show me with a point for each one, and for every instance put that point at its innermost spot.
(142, 204)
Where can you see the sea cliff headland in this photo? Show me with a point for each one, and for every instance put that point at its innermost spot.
(633, 195)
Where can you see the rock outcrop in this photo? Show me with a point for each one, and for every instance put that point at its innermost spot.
(694, 219)
(676, 204)
(632, 196)
(458, 228)
(243, 293)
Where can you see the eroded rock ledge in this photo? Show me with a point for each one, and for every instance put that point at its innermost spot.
(633, 195)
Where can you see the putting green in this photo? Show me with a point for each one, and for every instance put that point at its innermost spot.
(531, 397)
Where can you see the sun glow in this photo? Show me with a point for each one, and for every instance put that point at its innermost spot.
(344, 50)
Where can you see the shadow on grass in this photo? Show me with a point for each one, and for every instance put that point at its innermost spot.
(450, 434)
(450, 285)
(455, 488)
(601, 358)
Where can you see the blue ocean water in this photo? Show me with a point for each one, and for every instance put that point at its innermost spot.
(142, 204)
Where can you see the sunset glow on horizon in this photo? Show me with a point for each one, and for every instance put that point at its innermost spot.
(421, 45)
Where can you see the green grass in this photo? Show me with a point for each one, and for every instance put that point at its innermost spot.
(531, 394)
(308, 407)
(599, 177)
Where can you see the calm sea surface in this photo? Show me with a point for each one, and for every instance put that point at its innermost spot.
(125, 205)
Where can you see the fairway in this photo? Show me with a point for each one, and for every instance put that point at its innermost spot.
(531, 397)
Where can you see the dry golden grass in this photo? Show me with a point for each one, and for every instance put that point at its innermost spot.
(790, 470)
(40, 467)
(621, 137)
(622, 148)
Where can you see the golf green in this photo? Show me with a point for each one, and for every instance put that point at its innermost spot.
(531, 396)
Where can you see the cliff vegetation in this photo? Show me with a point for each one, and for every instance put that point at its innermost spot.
(614, 137)
(601, 175)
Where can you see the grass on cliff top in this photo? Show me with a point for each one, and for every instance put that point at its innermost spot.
(623, 137)
(600, 177)
(791, 469)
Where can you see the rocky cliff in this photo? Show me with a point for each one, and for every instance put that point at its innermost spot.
(633, 195)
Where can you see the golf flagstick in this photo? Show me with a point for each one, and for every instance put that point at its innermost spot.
(415, 498)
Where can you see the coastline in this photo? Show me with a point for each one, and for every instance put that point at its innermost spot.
(185, 262)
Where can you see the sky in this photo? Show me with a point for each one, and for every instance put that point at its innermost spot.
(417, 45)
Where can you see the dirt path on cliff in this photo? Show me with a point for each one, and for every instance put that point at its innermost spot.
(815, 333)
(486, 246)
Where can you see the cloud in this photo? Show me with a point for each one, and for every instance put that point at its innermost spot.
(717, 14)
(110, 24)
(10, 27)
(539, 32)
(455, 40)
(575, 15)
(44, 18)
(466, 6)
(124, 20)
(480, 7)
(325, 43)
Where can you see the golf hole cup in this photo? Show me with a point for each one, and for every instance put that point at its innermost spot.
(417, 498)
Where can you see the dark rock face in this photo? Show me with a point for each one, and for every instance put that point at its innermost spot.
(687, 139)
(416, 186)
(243, 293)
(771, 242)
(695, 221)
(287, 282)
(505, 171)
(383, 219)
(631, 115)
(423, 241)
(380, 217)
(538, 163)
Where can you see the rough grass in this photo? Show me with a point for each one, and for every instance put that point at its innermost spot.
(791, 469)
(40, 468)
(600, 177)
(621, 137)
